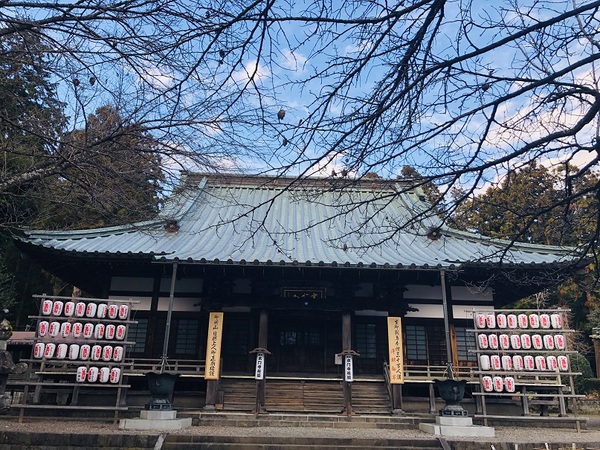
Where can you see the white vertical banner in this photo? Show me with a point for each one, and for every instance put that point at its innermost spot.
(259, 373)
(348, 369)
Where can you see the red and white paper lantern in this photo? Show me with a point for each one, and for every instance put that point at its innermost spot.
(81, 374)
(107, 352)
(480, 320)
(523, 321)
(69, 309)
(53, 329)
(46, 307)
(74, 351)
(528, 362)
(123, 312)
(43, 328)
(38, 350)
(77, 329)
(556, 321)
(518, 362)
(99, 331)
(61, 351)
(115, 375)
(552, 363)
(118, 353)
(498, 383)
(501, 320)
(563, 363)
(559, 342)
(104, 375)
(101, 310)
(65, 329)
(507, 363)
(487, 384)
(525, 341)
(121, 330)
(537, 342)
(49, 350)
(96, 353)
(84, 352)
(504, 341)
(549, 342)
(92, 374)
(534, 321)
(545, 321)
(57, 308)
(113, 311)
(515, 341)
(495, 362)
(540, 363)
(88, 330)
(493, 341)
(509, 384)
(80, 309)
(490, 320)
(90, 309)
(511, 321)
(109, 332)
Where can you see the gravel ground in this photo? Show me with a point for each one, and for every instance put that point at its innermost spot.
(503, 434)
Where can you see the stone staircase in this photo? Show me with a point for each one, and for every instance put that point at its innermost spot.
(175, 442)
(316, 396)
(284, 431)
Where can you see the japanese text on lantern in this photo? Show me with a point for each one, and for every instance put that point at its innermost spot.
(396, 354)
(213, 346)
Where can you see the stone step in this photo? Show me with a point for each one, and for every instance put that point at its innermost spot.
(370, 421)
(173, 442)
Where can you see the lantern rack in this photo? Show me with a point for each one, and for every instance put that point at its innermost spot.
(524, 355)
(79, 343)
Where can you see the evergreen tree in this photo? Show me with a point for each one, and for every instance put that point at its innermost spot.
(116, 181)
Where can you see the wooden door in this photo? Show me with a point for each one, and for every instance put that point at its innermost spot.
(298, 345)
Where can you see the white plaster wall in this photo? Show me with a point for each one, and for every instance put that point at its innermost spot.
(466, 311)
(142, 303)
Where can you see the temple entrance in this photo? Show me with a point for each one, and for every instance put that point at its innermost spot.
(303, 345)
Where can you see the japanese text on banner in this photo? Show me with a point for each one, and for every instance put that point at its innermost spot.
(396, 353)
(213, 346)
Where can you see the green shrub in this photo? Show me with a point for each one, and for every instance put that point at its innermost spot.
(579, 363)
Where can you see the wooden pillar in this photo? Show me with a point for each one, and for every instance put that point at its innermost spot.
(397, 405)
(596, 340)
(347, 347)
(211, 395)
(263, 337)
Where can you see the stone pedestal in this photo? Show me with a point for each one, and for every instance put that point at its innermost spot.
(456, 426)
(156, 420)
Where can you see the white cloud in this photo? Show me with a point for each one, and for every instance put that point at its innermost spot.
(292, 60)
(156, 78)
(252, 70)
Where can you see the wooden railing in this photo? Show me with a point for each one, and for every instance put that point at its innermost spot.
(426, 374)
(138, 367)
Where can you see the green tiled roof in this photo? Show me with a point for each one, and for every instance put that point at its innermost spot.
(261, 220)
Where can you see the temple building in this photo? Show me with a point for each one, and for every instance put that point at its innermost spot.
(304, 269)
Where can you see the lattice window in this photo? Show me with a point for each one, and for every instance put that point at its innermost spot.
(416, 343)
(187, 337)
(366, 340)
(137, 333)
(465, 342)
